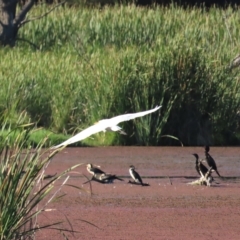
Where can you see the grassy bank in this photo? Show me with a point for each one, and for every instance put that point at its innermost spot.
(91, 64)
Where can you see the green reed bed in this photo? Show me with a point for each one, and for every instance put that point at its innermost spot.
(94, 63)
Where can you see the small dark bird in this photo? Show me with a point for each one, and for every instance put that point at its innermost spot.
(202, 170)
(199, 166)
(210, 161)
(135, 176)
(94, 170)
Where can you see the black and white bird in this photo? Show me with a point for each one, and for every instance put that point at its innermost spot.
(135, 176)
(200, 168)
(210, 160)
(94, 170)
(205, 174)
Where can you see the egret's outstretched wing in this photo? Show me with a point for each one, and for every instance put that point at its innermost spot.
(83, 134)
(130, 116)
(102, 125)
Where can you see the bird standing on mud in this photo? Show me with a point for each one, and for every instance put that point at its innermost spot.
(135, 176)
(105, 125)
(206, 178)
(210, 160)
(199, 166)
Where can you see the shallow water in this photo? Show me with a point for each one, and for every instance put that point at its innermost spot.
(160, 211)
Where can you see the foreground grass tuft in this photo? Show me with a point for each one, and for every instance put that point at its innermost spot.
(24, 194)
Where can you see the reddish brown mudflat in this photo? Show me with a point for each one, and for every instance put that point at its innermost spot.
(160, 211)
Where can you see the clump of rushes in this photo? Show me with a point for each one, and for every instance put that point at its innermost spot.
(95, 63)
(24, 194)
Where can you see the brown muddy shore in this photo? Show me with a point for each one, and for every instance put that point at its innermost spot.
(160, 211)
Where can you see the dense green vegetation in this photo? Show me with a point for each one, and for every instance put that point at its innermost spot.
(88, 64)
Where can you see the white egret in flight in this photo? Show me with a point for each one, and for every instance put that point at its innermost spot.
(105, 125)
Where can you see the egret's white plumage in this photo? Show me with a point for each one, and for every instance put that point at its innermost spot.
(105, 125)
